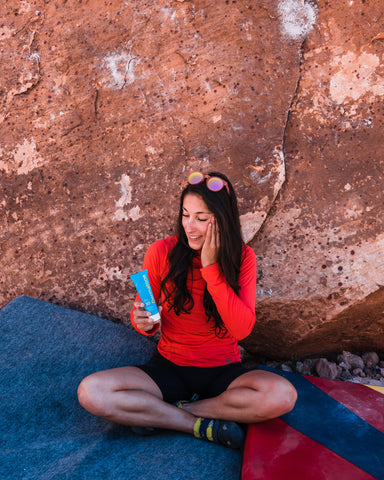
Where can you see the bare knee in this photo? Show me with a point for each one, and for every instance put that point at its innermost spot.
(287, 396)
(279, 398)
(91, 395)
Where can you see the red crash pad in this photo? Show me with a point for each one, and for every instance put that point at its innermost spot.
(335, 432)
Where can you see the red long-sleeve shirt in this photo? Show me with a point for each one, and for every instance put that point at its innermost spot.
(188, 339)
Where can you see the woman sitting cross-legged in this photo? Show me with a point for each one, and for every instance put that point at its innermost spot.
(204, 277)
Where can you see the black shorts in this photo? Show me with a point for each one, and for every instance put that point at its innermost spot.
(182, 383)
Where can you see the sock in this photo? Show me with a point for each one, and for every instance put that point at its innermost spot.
(223, 432)
(203, 429)
(180, 403)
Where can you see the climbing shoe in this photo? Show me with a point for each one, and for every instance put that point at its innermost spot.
(223, 432)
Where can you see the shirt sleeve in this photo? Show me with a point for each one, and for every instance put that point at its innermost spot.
(152, 264)
(236, 311)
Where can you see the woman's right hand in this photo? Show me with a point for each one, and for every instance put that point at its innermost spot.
(142, 317)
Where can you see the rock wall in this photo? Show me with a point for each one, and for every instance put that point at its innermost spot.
(106, 105)
(321, 251)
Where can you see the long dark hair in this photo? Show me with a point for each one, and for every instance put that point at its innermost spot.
(231, 250)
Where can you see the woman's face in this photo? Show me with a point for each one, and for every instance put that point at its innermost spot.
(196, 217)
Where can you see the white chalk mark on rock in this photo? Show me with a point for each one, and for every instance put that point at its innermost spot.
(126, 191)
(252, 221)
(124, 200)
(297, 18)
(22, 160)
(121, 68)
(356, 76)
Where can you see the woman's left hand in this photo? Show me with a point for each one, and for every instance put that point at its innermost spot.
(210, 250)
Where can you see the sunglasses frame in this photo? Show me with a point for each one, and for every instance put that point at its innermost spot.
(208, 178)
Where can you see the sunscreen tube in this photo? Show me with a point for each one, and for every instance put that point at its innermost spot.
(144, 290)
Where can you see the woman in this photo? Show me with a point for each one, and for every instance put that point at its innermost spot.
(205, 279)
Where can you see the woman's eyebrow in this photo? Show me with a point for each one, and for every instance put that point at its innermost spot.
(198, 213)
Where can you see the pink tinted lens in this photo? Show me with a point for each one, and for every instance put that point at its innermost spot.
(195, 178)
(215, 184)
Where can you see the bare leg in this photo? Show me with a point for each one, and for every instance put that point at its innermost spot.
(253, 397)
(128, 396)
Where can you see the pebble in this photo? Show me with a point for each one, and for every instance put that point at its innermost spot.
(350, 360)
(327, 369)
(370, 359)
(367, 368)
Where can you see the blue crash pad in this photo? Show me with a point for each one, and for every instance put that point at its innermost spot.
(45, 434)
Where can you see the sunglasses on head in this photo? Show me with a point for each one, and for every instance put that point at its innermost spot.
(215, 184)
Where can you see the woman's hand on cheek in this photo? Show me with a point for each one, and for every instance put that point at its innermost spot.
(210, 250)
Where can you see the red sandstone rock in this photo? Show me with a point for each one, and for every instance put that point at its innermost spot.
(321, 270)
(105, 106)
